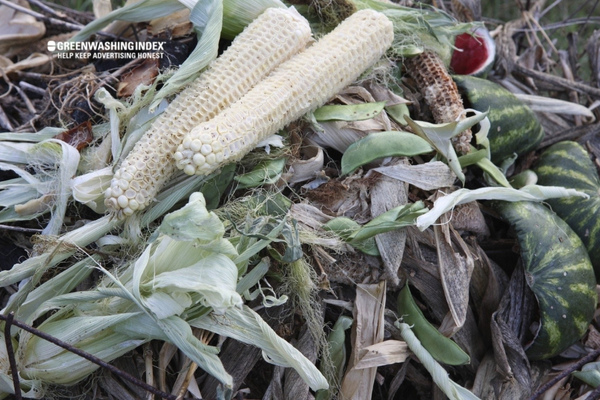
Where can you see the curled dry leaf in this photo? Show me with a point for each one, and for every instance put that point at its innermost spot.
(308, 167)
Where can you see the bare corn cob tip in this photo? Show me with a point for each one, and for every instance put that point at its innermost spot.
(271, 39)
(440, 93)
(298, 86)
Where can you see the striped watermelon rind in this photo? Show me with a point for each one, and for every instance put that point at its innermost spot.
(568, 164)
(514, 127)
(558, 271)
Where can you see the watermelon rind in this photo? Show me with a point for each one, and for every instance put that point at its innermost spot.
(569, 165)
(514, 127)
(558, 271)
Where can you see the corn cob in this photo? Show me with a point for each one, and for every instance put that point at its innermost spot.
(440, 93)
(298, 86)
(271, 39)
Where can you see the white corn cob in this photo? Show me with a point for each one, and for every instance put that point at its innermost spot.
(296, 87)
(274, 37)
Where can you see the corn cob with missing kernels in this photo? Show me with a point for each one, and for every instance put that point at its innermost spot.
(298, 86)
(271, 39)
(440, 93)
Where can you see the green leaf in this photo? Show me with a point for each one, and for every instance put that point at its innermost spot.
(396, 218)
(382, 144)
(348, 112)
(440, 376)
(337, 350)
(214, 187)
(398, 112)
(472, 158)
(524, 178)
(266, 172)
(207, 17)
(440, 135)
(345, 228)
(135, 12)
(439, 346)
(493, 171)
(363, 237)
(590, 374)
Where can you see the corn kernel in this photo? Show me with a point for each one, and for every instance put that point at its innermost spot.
(296, 87)
(272, 38)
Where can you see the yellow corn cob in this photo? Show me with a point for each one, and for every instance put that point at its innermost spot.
(271, 39)
(440, 93)
(296, 87)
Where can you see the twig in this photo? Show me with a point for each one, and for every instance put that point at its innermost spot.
(568, 73)
(562, 82)
(19, 229)
(42, 17)
(49, 10)
(11, 356)
(87, 356)
(25, 99)
(571, 134)
(542, 389)
(32, 88)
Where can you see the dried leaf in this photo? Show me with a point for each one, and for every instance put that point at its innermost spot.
(468, 217)
(143, 74)
(34, 60)
(552, 105)
(18, 28)
(508, 325)
(455, 270)
(366, 331)
(428, 176)
(383, 353)
(177, 25)
(79, 136)
(308, 168)
(386, 194)
(295, 387)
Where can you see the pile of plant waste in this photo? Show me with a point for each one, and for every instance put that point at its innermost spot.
(324, 199)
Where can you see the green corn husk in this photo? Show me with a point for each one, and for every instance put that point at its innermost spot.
(41, 360)
(186, 276)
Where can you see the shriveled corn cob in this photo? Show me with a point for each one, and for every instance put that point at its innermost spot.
(440, 93)
(271, 39)
(298, 86)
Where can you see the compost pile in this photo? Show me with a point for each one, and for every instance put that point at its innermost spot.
(325, 200)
